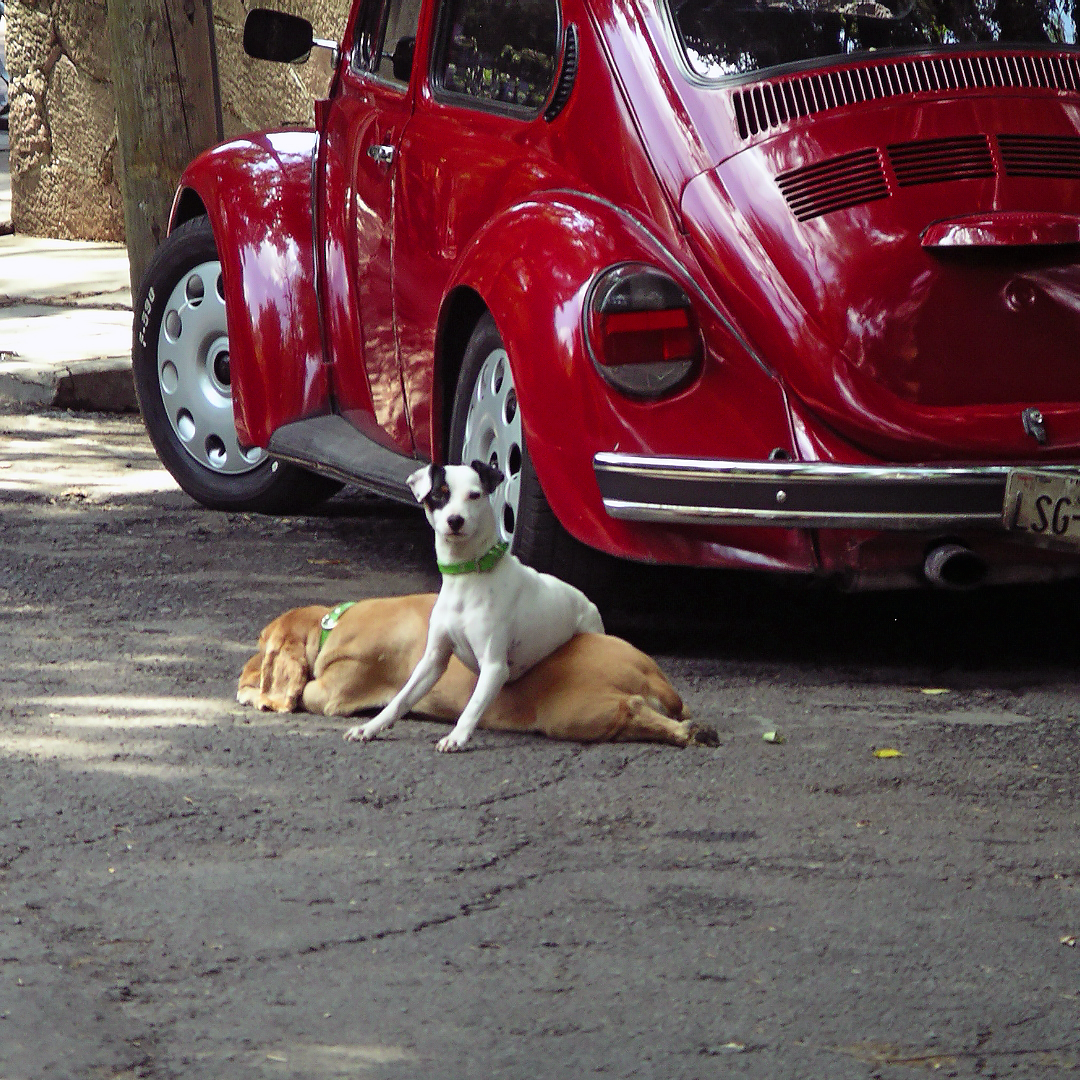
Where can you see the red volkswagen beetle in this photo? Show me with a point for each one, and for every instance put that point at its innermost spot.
(779, 284)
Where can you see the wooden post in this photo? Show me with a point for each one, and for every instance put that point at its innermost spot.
(168, 108)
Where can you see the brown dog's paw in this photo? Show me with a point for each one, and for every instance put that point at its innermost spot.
(700, 735)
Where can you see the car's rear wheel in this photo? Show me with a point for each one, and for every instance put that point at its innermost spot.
(180, 361)
(486, 425)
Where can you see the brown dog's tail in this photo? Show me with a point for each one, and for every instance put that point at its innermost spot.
(274, 678)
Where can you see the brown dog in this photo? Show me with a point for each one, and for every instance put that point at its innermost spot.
(595, 688)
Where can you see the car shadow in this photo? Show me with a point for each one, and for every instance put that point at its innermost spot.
(760, 617)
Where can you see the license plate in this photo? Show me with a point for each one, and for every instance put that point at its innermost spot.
(1043, 506)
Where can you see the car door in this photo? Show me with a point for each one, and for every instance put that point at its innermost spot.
(362, 132)
(476, 143)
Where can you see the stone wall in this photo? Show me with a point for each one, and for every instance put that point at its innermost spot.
(64, 167)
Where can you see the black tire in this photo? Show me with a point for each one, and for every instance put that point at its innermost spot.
(526, 520)
(181, 371)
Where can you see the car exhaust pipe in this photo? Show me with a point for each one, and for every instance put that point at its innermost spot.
(953, 566)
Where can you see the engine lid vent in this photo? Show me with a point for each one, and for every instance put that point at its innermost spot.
(1053, 156)
(836, 184)
(931, 161)
(769, 104)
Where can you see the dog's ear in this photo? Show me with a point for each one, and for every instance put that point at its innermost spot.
(490, 477)
(422, 481)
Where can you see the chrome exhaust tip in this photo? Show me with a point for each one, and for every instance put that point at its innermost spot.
(953, 566)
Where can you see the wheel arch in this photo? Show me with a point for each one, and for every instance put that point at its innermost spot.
(187, 206)
(531, 271)
(462, 310)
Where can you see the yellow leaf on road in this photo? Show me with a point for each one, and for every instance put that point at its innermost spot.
(888, 751)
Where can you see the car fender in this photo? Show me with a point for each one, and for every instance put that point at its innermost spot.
(533, 267)
(257, 192)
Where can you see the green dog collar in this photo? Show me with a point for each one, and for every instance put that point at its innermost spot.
(488, 561)
(330, 620)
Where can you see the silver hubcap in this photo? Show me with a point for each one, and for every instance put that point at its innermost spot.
(193, 373)
(493, 435)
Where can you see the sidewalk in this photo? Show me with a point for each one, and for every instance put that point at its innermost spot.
(65, 318)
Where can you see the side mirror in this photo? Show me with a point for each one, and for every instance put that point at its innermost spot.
(274, 35)
(403, 58)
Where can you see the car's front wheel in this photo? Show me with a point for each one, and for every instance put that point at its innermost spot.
(486, 425)
(180, 361)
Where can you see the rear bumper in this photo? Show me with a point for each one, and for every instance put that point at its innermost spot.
(808, 495)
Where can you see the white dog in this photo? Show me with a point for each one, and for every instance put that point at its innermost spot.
(497, 616)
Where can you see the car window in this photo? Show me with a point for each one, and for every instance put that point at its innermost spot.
(366, 44)
(733, 37)
(402, 18)
(498, 52)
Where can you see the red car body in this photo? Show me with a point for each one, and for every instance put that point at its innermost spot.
(880, 251)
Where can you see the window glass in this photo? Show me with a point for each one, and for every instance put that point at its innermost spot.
(732, 37)
(402, 18)
(500, 52)
(367, 35)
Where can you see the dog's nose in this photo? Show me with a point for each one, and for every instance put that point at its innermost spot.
(455, 521)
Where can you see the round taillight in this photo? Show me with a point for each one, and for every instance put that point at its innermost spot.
(642, 333)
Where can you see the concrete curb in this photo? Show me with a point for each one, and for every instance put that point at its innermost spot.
(100, 385)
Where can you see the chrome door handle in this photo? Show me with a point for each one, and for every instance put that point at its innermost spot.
(381, 155)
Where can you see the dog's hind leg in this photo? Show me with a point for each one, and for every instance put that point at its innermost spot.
(638, 721)
(625, 718)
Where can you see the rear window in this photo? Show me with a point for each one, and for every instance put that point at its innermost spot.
(734, 37)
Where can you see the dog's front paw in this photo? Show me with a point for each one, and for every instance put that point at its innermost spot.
(451, 743)
(354, 734)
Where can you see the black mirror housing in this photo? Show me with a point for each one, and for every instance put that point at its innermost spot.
(275, 35)
(403, 58)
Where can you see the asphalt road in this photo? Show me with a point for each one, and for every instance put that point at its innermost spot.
(192, 890)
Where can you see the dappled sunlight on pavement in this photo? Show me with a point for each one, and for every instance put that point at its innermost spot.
(76, 457)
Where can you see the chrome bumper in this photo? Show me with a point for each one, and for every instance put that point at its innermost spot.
(808, 495)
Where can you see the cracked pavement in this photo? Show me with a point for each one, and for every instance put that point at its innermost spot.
(190, 889)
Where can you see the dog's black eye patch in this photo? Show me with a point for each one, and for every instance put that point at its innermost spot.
(437, 497)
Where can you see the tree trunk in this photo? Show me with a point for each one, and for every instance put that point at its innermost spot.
(168, 108)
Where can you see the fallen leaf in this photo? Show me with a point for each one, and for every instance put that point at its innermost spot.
(862, 824)
(934, 690)
(1068, 939)
(887, 751)
(276, 1057)
(773, 737)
